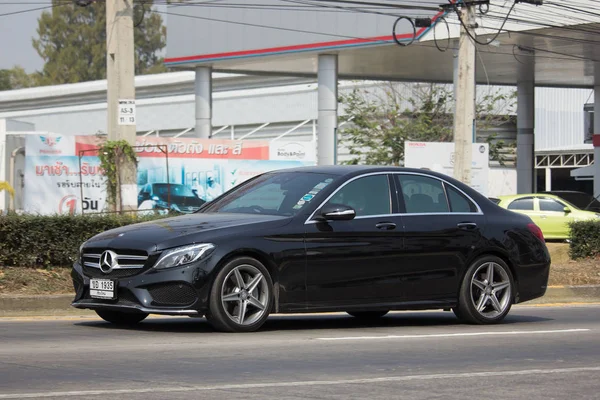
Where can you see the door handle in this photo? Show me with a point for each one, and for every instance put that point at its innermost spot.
(467, 225)
(388, 226)
(543, 216)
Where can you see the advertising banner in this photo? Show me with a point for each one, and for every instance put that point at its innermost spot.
(439, 157)
(63, 173)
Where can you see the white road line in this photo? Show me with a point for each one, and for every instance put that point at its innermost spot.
(449, 335)
(406, 378)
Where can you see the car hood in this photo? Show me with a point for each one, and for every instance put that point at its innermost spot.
(168, 232)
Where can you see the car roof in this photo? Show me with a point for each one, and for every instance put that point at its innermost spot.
(520, 196)
(565, 191)
(343, 170)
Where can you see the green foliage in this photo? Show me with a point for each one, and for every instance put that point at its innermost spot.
(382, 119)
(32, 240)
(113, 154)
(585, 239)
(17, 78)
(72, 42)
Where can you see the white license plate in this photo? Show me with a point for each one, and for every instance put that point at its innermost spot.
(102, 289)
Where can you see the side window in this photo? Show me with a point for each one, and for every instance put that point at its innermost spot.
(525, 204)
(551, 205)
(458, 202)
(368, 196)
(422, 194)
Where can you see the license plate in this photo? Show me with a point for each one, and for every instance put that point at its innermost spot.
(102, 289)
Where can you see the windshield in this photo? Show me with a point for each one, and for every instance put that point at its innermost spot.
(278, 193)
(162, 189)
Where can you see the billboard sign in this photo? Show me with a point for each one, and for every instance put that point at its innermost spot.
(63, 173)
(439, 157)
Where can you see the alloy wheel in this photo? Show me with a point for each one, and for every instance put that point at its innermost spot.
(245, 294)
(490, 290)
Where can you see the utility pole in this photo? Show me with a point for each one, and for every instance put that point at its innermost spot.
(464, 114)
(120, 74)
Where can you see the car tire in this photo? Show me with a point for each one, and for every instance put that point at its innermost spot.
(368, 315)
(244, 306)
(483, 300)
(121, 318)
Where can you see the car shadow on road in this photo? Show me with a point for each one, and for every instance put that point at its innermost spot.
(306, 322)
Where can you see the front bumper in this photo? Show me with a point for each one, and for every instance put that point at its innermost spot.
(177, 291)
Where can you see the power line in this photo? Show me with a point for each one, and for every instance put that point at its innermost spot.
(25, 11)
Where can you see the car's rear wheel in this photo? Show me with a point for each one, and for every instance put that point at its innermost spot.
(368, 315)
(121, 318)
(486, 293)
(241, 297)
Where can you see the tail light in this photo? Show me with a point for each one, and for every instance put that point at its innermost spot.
(533, 228)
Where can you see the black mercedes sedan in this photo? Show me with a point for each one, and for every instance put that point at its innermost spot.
(362, 240)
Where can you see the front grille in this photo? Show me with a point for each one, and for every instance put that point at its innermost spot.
(118, 264)
(124, 297)
(172, 294)
(115, 273)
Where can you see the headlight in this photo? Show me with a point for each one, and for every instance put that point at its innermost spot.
(183, 255)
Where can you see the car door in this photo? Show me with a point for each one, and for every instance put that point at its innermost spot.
(556, 220)
(442, 229)
(355, 262)
(528, 206)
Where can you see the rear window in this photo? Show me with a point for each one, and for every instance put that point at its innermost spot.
(525, 204)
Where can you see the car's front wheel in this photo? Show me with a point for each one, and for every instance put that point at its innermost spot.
(121, 318)
(486, 293)
(241, 297)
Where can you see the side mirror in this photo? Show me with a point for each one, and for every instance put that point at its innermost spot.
(336, 212)
(567, 210)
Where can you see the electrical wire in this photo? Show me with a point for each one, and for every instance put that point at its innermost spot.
(435, 40)
(564, 6)
(139, 22)
(414, 29)
(26, 11)
(555, 56)
(515, 46)
(266, 26)
(467, 29)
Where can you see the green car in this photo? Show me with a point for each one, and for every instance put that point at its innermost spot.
(551, 213)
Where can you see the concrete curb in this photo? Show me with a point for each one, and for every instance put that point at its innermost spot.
(61, 304)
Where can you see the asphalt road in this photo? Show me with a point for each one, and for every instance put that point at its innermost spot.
(538, 353)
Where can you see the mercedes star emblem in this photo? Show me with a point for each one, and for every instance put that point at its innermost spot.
(108, 260)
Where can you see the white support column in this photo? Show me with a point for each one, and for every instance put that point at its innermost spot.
(203, 92)
(548, 179)
(596, 137)
(525, 127)
(328, 105)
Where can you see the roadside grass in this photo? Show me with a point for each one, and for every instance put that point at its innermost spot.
(31, 281)
(57, 280)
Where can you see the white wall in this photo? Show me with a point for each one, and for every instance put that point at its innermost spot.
(502, 181)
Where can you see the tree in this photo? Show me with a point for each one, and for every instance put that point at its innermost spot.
(72, 42)
(382, 118)
(16, 78)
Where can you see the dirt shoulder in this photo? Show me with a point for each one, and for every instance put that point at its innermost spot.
(31, 281)
(565, 271)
